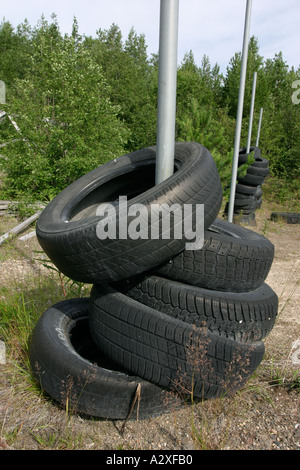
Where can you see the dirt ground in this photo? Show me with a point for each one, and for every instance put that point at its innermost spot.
(265, 415)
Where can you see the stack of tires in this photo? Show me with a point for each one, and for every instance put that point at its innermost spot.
(161, 321)
(248, 195)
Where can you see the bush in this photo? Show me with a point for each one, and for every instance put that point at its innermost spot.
(66, 118)
(201, 126)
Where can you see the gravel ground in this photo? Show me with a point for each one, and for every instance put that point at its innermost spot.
(263, 416)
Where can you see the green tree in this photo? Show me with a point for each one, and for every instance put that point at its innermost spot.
(66, 116)
(188, 85)
(232, 81)
(80, 101)
(15, 50)
(203, 84)
(201, 126)
(281, 125)
(279, 139)
(128, 72)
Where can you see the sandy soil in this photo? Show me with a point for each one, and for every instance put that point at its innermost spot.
(264, 415)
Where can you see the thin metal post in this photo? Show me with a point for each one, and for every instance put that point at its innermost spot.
(251, 112)
(167, 83)
(239, 110)
(259, 126)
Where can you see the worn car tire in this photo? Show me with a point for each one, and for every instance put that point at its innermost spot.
(167, 351)
(71, 368)
(245, 316)
(244, 211)
(258, 193)
(245, 203)
(252, 180)
(233, 258)
(257, 170)
(260, 162)
(288, 217)
(247, 189)
(243, 155)
(67, 227)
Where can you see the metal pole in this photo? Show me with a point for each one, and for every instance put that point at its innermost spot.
(239, 110)
(251, 112)
(167, 83)
(259, 126)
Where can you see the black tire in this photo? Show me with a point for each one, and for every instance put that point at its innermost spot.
(244, 216)
(247, 189)
(233, 258)
(245, 316)
(244, 211)
(243, 155)
(167, 351)
(245, 203)
(259, 171)
(69, 366)
(241, 212)
(260, 162)
(66, 229)
(257, 194)
(252, 180)
(288, 217)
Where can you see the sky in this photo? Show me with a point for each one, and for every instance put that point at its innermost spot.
(214, 28)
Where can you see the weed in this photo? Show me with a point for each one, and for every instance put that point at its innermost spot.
(77, 288)
(283, 193)
(207, 377)
(46, 441)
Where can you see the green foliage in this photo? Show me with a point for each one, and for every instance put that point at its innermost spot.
(15, 50)
(201, 83)
(232, 81)
(127, 70)
(284, 193)
(281, 136)
(80, 101)
(280, 133)
(64, 110)
(199, 125)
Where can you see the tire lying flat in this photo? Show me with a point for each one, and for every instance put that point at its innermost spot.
(67, 228)
(248, 190)
(245, 317)
(288, 217)
(167, 351)
(243, 155)
(258, 170)
(252, 180)
(240, 195)
(233, 258)
(260, 162)
(245, 203)
(70, 367)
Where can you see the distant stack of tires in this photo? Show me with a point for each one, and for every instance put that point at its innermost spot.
(248, 195)
(162, 321)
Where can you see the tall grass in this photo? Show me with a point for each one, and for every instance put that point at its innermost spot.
(23, 302)
(23, 414)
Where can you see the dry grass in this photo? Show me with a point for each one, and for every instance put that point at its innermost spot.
(264, 414)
